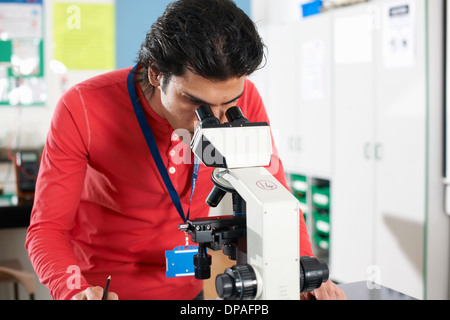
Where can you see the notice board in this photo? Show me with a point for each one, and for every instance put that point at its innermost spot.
(21, 53)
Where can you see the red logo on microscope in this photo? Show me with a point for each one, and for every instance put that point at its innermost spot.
(266, 185)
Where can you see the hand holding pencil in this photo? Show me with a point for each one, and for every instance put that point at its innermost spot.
(97, 293)
(106, 288)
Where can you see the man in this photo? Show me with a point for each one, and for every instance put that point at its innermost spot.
(102, 207)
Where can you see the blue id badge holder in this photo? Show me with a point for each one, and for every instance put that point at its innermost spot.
(180, 261)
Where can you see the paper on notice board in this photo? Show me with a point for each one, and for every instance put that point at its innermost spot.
(4, 84)
(21, 53)
(83, 37)
(20, 20)
(25, 57)
(399, 35)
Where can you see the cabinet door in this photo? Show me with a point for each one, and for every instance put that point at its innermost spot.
(352, 186)
(401, 105)
(281, 84)
(314, 113)
(260, 76)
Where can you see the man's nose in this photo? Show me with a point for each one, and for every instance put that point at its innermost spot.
(219, 113)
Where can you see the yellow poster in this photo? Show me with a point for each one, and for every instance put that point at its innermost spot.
(84, 35)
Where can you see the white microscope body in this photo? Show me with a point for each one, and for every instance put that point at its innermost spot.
(269, 269)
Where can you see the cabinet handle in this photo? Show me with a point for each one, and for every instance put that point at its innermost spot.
(291, 143)
(378, 151)
(295, 143)
(299, 144)
(367, 148)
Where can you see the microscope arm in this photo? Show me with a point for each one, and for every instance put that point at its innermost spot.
(272, 231)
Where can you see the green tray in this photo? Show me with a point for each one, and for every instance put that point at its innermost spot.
(299, 183)
(321, 197)
(322, 223)
(322, 242)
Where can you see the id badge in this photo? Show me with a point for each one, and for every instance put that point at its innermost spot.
(180, 261)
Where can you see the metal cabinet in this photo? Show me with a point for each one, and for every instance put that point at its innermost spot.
(353, 187)
(280, 79)
(355, 94)
(379, 211)
(297, 87)
(313, 112)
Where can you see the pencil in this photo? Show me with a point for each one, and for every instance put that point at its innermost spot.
(105, 291)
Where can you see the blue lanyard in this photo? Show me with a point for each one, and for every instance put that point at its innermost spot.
(150, 138)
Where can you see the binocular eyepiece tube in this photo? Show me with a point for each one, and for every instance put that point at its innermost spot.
(206, 115)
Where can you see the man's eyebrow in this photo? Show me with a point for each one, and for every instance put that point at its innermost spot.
(198, 100)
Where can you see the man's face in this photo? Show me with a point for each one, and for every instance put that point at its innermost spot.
(184, 94)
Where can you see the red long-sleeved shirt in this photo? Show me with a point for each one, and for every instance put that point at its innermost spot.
(101, 206)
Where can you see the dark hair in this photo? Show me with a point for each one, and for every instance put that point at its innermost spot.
(211, 38)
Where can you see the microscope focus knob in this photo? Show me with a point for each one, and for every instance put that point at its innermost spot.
(238, 283)
(312, 273)
(202, 263)
(225, 286)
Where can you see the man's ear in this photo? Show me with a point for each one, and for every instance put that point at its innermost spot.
(154, 76)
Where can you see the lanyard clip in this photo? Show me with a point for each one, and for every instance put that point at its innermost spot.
(187, 238)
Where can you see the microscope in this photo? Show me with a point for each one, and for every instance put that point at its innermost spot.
(262, 234)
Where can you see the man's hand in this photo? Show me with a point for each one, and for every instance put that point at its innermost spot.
(94, 293)
(327, 291)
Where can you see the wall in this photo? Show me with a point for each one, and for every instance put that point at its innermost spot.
(138, 15)
(26, 127)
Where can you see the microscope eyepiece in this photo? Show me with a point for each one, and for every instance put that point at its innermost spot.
(206, 115)
(235, 115)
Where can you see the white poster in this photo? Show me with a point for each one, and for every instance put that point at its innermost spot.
(399, 35)
(312, 71)
(353, 39)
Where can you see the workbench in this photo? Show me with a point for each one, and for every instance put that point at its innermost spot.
(15, 216)
(368, 291)
(18, 216)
